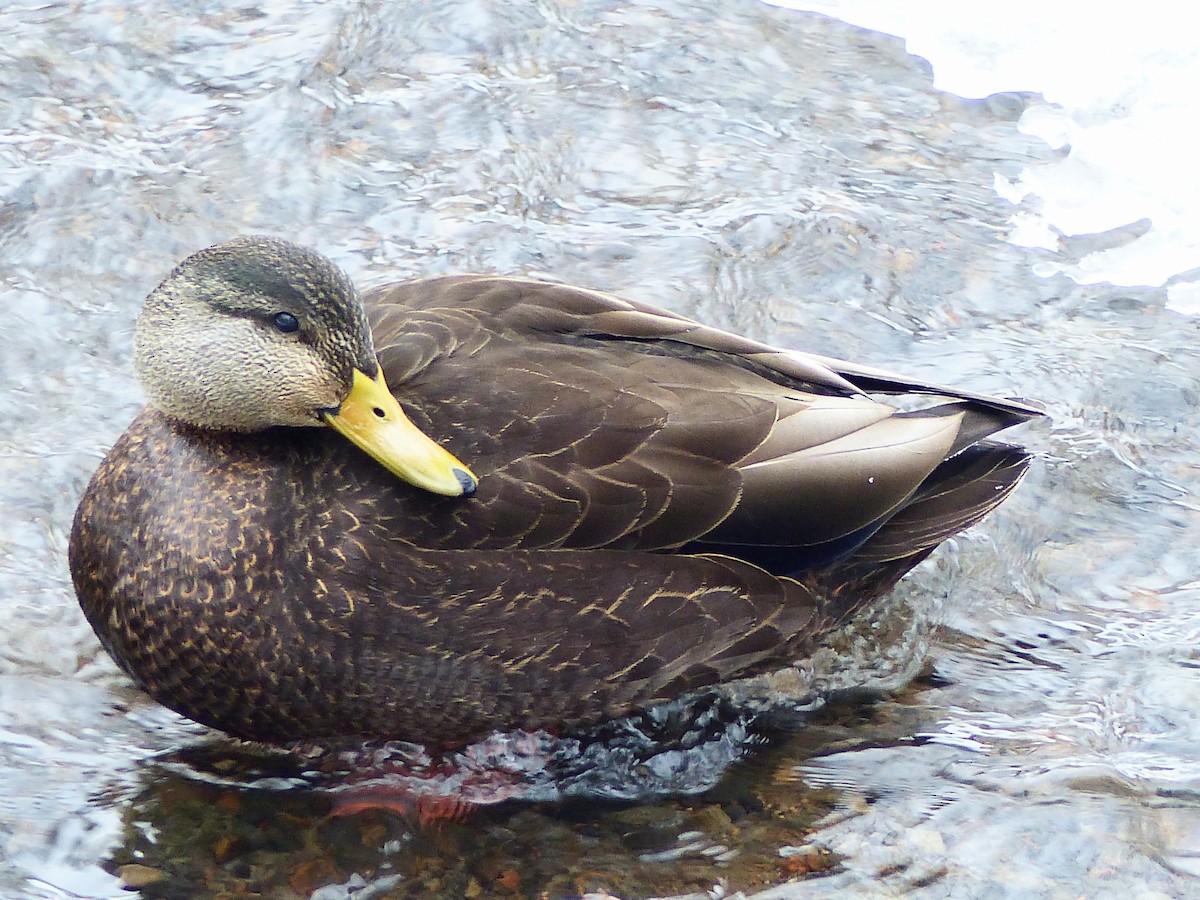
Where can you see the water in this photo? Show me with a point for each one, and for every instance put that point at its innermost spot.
(1119, 103)
(782, 174)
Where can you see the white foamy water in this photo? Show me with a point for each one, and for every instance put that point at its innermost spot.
(1122, 87)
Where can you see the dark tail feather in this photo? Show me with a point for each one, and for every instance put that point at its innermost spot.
(955, 496)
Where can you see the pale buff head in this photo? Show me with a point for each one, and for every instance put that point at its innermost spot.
(250, 334)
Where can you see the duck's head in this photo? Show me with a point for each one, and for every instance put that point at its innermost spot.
(257, 333)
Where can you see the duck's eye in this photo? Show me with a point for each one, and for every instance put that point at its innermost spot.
(286, 322)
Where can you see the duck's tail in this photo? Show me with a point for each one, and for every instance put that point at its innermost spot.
(956, 495)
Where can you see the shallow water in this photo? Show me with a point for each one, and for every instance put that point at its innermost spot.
(774, 172)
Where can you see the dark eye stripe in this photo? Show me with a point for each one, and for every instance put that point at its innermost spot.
(286, 322)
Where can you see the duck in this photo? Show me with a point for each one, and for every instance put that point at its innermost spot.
(459, 505)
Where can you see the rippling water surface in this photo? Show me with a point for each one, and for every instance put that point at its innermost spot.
(773, 172)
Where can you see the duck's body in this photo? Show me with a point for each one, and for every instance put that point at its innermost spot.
(660, 506)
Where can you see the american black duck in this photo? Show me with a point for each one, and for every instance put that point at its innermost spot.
(609, 505)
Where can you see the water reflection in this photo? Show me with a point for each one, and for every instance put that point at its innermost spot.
(234, 819)
(772, 172)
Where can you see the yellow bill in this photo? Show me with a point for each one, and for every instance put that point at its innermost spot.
(372, 419)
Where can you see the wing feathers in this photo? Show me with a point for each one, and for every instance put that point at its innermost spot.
(824, 492)
(639, 428)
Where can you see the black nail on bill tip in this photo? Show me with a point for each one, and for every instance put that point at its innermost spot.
(467, 482)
